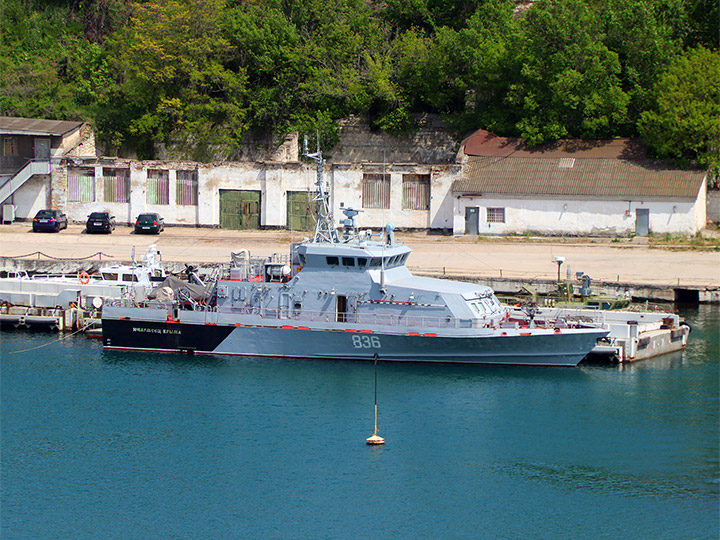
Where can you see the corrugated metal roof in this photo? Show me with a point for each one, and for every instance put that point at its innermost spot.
(603, 178)
(34, 126)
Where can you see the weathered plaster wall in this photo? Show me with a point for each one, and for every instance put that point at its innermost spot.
(346, 188)
(80, 142)
(441, 199)
(58, 193)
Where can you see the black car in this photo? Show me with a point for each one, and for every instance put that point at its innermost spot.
(49, 220)
(149, 223)
(100, 222)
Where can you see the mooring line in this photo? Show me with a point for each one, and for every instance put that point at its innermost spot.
(53, 342)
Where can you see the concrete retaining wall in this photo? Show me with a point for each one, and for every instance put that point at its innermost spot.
(713, 205)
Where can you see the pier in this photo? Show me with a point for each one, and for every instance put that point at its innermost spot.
(59, 319)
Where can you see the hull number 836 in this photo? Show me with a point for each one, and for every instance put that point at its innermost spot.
(366, 342)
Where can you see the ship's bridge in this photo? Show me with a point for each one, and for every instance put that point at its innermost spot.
(357, 256)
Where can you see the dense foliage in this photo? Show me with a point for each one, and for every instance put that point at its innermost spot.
(199, 75)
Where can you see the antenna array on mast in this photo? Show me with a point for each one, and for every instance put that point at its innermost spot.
(325, 224)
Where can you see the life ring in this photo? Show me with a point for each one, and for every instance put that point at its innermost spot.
(84, 278)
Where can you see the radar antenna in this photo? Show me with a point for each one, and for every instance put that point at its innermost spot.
(325, 224)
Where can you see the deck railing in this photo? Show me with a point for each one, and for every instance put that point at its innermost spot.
(251, 315)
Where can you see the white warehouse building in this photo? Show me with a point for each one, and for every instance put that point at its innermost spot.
(493, 185)
(573, 187)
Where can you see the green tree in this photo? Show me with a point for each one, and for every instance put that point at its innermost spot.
(704, 23)
(568, 84)
(306, 61)
(685, 121)
(472, 68)
(38, 46)
(645, 42)
(427, 15)
(175, 87)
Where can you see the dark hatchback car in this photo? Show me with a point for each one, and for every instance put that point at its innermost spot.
(100, 222)
(149, 223)
(49, 220)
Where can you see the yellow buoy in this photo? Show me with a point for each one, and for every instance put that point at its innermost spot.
(375, 439)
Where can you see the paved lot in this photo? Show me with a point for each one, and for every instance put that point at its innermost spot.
(606, 261)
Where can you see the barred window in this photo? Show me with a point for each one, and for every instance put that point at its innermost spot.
(496, 215)
(158, 187)
(376, 191)
(416, 191)
(81, 185)
(187, 188)
(116, 185)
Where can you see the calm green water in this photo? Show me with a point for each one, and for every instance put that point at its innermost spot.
(126, 445)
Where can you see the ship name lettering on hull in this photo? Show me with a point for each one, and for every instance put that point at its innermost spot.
(156, 330)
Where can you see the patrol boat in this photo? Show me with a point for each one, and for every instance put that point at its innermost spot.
(344, 294)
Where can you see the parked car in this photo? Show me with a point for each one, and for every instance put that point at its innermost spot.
(149, 223)
(49, 220)
(100, 222)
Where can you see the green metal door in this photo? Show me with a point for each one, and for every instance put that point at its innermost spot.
(239, 210)
(300, 211)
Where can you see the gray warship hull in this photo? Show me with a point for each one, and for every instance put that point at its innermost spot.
(144, 329)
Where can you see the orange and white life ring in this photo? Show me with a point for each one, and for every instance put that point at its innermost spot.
(84, 278)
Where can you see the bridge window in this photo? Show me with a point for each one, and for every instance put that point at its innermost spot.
(362, 261)
(332, 261)
(348, 261)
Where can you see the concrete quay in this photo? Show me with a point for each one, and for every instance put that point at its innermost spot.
(646, 272)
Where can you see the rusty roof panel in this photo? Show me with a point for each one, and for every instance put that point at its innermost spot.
(487, 144)
(604, 178)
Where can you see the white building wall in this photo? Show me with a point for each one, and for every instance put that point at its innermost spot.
(442, 202)
(274, 179)
(346, 188)
(31, 197)
(138, 187)
(578, 217)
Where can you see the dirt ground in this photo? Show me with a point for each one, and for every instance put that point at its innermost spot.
(627, 261)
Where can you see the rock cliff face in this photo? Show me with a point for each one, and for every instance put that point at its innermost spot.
(431, 144)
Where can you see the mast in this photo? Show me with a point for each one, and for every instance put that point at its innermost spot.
(325, 224)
